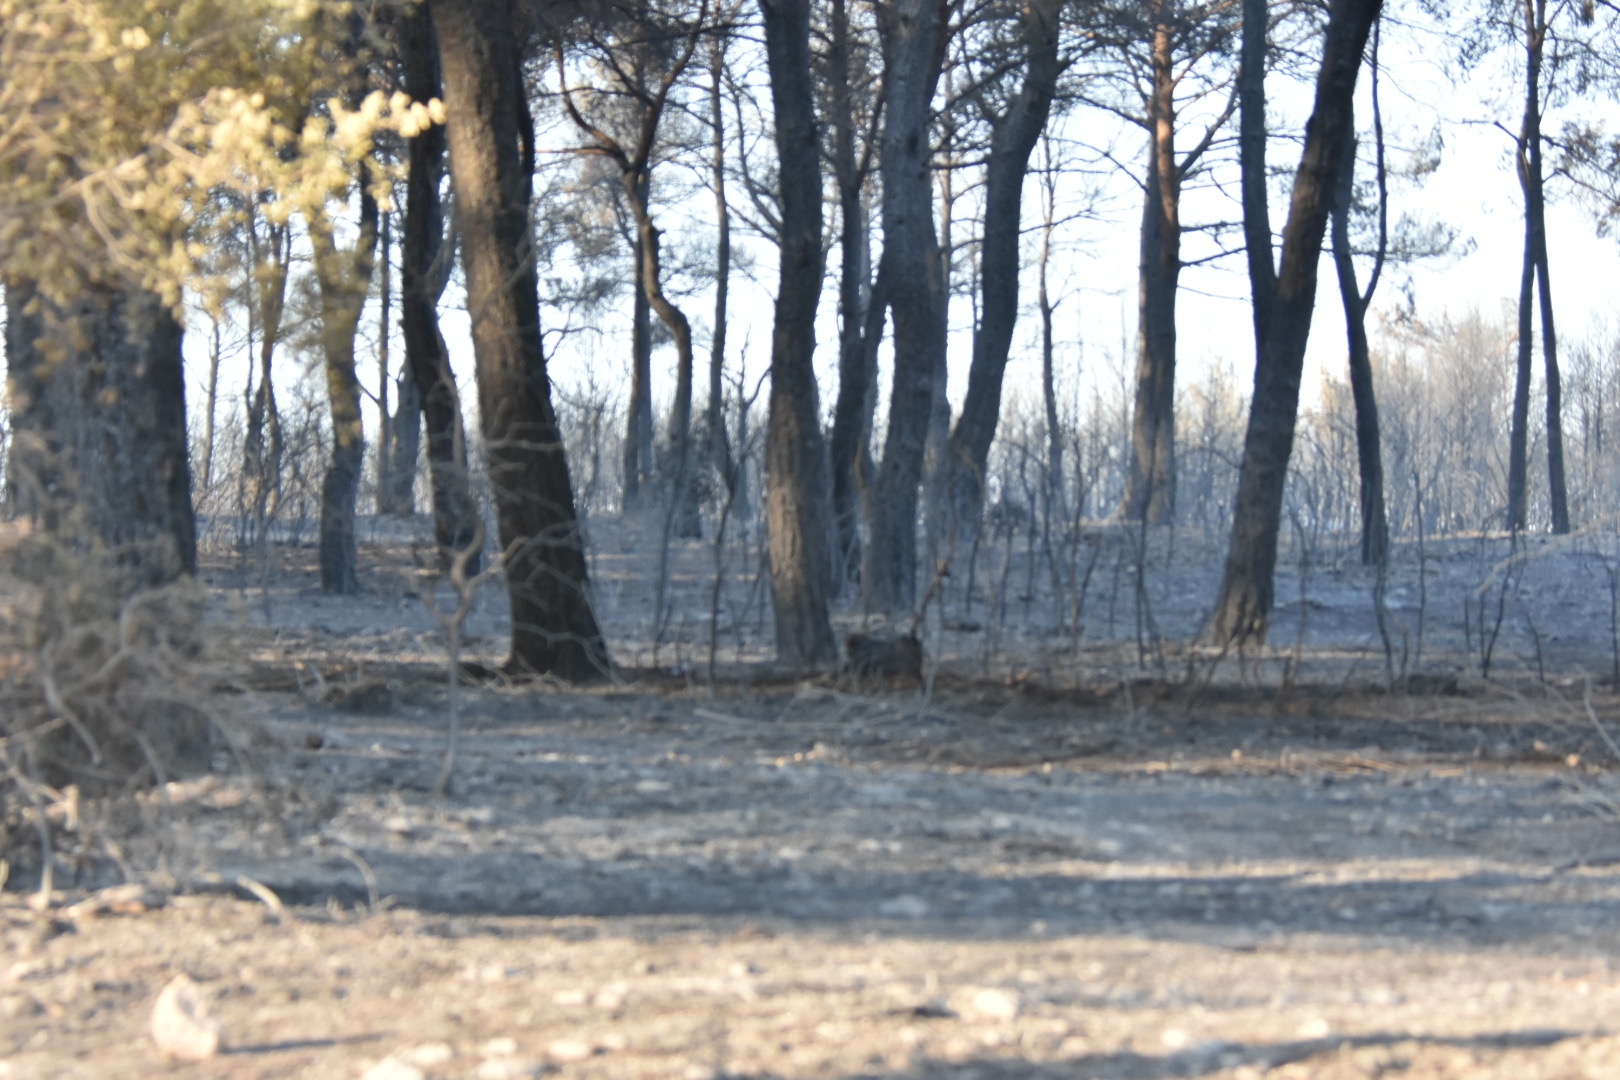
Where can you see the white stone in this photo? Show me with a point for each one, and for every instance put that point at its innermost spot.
(428, 1055)
(391, 1068)
(611, 996)
(499, 1048)
(181, 1026)
(569, 1050)
(992, 1003)
(1314, 1028)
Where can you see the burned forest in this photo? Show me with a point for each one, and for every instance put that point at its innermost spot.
(882, 539)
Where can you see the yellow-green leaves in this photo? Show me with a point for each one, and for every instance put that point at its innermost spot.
(125, 119)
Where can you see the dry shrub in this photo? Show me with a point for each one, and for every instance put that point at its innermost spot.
(101, 688)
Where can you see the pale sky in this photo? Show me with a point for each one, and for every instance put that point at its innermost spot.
(1473, 190)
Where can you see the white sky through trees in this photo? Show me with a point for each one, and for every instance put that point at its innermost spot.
(1474, 190)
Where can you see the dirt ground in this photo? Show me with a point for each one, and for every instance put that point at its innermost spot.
(1061, 857)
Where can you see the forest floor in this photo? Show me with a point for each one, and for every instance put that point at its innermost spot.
(1062, 857)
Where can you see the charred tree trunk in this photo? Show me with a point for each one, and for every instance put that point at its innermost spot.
(1528, 151)
(1518, 487)
(937, 509)
(1535, 278)
(684, 504)
(385, 418)
(1012, 141)
(1150, 484)
(554, 629)
(211, 407)
(343, 277)
(1047, 307)
(1369, 454)
(99, 456)
(719, 442)
(262, 439)
(638, 442)
(857, 374)
(1370, 460)
(1557, 485)
(401, 441)
(796, 460)
(913, 280)
(425, 268)
(405, 446)
(646, 78)
(1284, 299)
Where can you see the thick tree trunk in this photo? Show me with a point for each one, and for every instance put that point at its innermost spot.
(1284, 299)
(343, 277)
(554, 629)
(796, 460)
(913, 279)
(110, 476)
(425, 267)
(1150, 491)
(1012, 141)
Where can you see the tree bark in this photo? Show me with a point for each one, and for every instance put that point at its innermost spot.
(262, 442)
(99, 454)
(385, 418)
(405, 446)
(1535, 203)
(1369, 454)
(211, 407)
(1369, 457)
(401, 437)
(857, 374)
(554, 629)
(684, 508)
(343, 277)
(1150, 492)
(1535, 278)
(638, 443)
(1518, 487)
(1048, 307)
(425, 258)
(1557, 485)
(719, 442)
(1012, 141)
(796, 460)
(913, 280)
(1284, 299)
(633, 155)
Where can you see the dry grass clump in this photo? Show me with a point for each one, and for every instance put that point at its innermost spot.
(101, 692)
